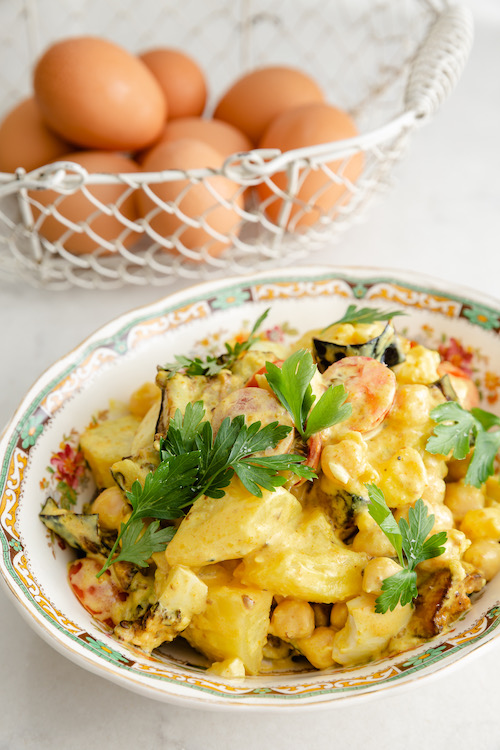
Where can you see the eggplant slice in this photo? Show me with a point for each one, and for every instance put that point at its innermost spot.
(79, 530)
(385, 348)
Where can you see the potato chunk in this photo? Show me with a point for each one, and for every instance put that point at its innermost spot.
(234, 624)
(306, 564)
(366, 634)
(107, 443)
(232, 526)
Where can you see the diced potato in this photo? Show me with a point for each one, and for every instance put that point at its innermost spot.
(107, 443)
(234, 624)
(255, 359)
(366, 634)
(306, 564)
(420, 366)
(317, 648)
(232, 526)
(316, 577)
(483, 523)
(229, 668)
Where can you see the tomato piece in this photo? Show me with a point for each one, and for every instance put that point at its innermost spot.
(465, 388)
(255, 380)
(371, 388)
(99, 596)
(314, 448)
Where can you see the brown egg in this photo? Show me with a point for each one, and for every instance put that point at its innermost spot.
(181, 79)
(25, 140)
(97, 95)
(260, 96)
(195, 201)
(223, 137)
(307, 126)
(77, 208)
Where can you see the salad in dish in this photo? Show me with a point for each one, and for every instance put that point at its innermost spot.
(333, 501)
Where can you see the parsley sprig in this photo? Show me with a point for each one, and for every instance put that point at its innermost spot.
(292, 385)
(194, 463)
(457, 430)
(409, 539)
(211, 365)
(355, 314)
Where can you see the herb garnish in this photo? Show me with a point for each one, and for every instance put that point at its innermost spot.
(355, 314)
(211, 365)
(409, 539)
(458, 430)
(292, 385)
(193, 464)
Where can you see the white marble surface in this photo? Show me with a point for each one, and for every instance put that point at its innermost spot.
(442, 219)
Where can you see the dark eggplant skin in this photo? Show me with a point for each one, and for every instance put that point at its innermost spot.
(343, 508)
(385, 348)
(446, 388)
(80, 531)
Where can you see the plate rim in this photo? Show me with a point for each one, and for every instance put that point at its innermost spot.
(192, 294)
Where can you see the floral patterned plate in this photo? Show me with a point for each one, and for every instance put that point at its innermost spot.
(40, 457)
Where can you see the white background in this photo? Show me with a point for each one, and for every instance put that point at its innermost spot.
(441, 219)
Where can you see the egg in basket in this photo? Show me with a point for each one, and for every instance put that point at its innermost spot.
(179, 153)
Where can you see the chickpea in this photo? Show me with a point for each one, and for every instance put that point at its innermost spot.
(443, 517)
(460, 498)
(275, 648)
(403, 478)
(112, 507)
(484, 554)
(292, 619)
(317, 648)
(492, 489)
(420, 366)
(339, 615)
(321, 614)
(376, 571)
(435, 490)
(435, 465)
(482, 523)
(411, 405)
(374, 542)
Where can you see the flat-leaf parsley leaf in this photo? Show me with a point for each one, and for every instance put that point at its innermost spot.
(409, 539)
(458, 430)
(292, 385)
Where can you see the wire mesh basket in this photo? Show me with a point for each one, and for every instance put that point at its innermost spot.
(389, 63)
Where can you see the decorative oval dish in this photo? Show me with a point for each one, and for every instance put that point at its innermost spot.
(39, 450)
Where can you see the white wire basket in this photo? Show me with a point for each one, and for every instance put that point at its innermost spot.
(389, 63)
